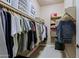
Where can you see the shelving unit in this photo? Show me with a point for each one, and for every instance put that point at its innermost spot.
(53, 28)
(55, 18)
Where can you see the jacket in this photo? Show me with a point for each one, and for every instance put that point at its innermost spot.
(65, 31)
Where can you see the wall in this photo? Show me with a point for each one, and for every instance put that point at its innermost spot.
(74, 2)
(37, 7)
(69, 3)
(45, 12)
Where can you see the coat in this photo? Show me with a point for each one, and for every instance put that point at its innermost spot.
(65, 31)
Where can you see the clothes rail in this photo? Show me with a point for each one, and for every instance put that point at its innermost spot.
(10, 8)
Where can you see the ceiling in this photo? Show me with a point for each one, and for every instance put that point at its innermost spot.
(49, 2)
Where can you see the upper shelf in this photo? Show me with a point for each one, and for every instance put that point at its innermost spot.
(55, 18)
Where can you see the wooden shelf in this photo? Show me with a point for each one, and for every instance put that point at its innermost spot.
(52, 24)
(56, 17)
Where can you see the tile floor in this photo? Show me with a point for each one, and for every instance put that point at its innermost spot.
(47, 51)
(50, 52)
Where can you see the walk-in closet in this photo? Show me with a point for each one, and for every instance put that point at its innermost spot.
(39, 29)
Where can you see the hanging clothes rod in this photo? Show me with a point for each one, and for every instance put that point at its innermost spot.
(10, 8)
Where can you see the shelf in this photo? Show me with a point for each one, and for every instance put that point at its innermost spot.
(56, 17)
(52, 24)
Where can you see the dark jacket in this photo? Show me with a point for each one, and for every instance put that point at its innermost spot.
(65, 31)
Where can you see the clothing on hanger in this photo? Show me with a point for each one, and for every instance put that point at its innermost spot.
(18, 34)
(3, 47)
(65, 31)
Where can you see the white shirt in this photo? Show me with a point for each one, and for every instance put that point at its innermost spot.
(44, 33)
(13, 25)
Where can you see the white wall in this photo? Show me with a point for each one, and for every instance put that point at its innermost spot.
(69, 3)
(37, 7)
(45, 12)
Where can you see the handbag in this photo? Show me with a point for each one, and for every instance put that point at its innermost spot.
(59, 46)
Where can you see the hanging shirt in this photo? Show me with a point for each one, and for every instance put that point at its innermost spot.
(25, 24)
(13, 27)
(25, 41)
(38, 33)
(25, 34)
(15, 47)
(29, 27)
(3, 19)
(44, 33)
(3, 47)
(14, 34)
(22, 24)
(18, 25)
(41, 31)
